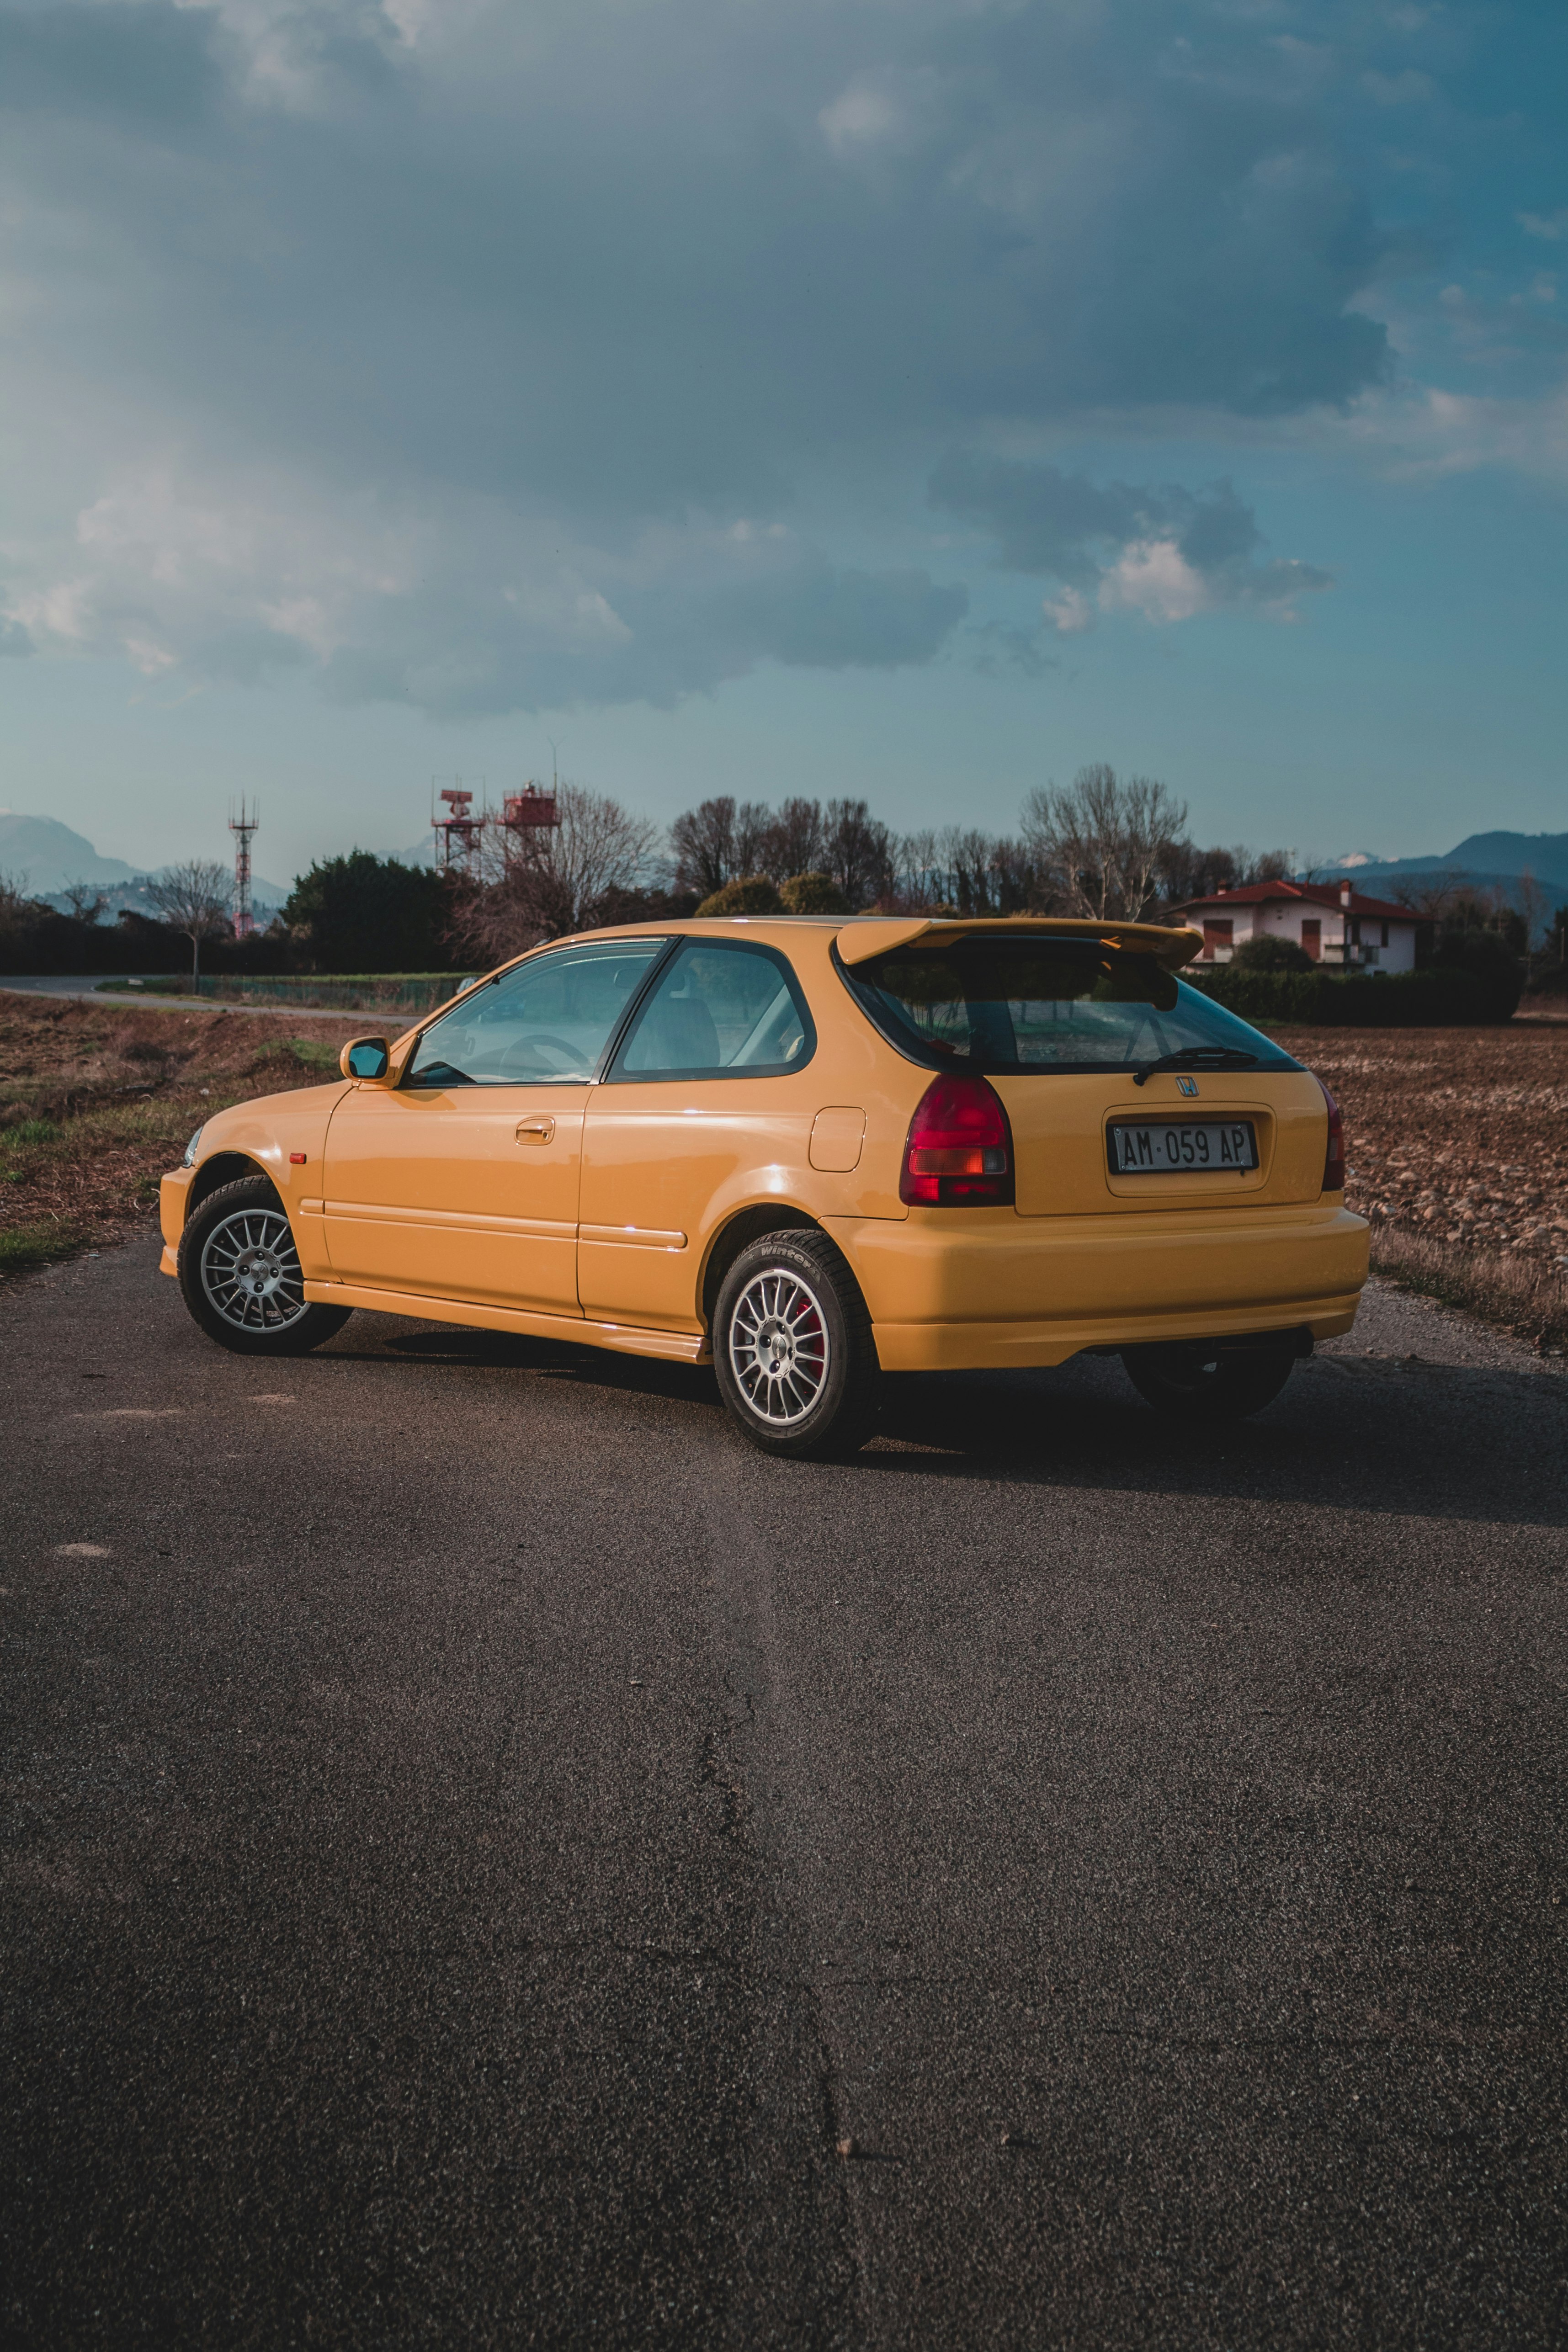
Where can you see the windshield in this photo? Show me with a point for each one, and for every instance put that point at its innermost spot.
(1039, 1004)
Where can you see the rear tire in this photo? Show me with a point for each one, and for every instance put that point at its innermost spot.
(792, 1349)
(240, 1274)
(1198, 1380)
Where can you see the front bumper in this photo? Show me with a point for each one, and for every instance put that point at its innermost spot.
(960, 1290)
(173, 1196)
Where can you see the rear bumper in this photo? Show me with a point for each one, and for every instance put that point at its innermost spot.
(1004, 1290)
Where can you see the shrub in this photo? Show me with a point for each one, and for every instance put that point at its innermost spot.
(1488, 960)
(755, 895)
(1431, 998)
(813, 894)
(1267, 952)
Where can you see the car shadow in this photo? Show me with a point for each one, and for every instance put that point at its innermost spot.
(1385, 1435)
(1398, 1436)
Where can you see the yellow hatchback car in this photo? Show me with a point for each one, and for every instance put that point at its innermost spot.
(812, 1151)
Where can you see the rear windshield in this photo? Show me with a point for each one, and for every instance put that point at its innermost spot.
(1043, 1005)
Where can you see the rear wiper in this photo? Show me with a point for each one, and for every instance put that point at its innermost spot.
(1198, 1057)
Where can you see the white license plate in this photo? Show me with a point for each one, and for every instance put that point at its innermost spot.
(1180, 1147)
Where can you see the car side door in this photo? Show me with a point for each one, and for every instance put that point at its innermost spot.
(462, 1182)
(704, 1086)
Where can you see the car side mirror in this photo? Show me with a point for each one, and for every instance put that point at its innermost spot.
(364, 1057)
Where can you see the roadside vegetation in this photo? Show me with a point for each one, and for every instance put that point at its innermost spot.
(97, 1102)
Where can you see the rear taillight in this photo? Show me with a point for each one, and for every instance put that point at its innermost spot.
(960, 1152)
(1335, 1158)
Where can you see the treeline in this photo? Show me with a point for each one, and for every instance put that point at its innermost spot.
(1104, 847)
(1107, 848)
(359, 913)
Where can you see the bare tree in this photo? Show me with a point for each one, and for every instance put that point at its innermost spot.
(16, 906)
(555, 879)
(753, 822)
(1531, 899)
(1105, 841)
(858, 851)
(193, 898)
(85, 902)
(703, 844)
(793, 842)
(1435, 896)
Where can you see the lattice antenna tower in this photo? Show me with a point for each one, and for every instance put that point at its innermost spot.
(242, 825)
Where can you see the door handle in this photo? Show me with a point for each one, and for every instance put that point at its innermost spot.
(535, 1131)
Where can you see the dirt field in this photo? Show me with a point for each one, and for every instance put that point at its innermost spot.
(1460, 1134)
(1458, 1154)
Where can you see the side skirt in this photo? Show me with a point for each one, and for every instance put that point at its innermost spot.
(674, 1347)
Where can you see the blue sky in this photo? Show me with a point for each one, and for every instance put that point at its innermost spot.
(910, 398)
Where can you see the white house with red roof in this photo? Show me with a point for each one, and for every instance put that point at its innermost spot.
(1333, 922)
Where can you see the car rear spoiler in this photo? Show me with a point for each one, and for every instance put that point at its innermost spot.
(874, 935)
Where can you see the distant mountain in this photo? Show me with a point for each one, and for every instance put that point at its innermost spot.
(421, 854)
(41, 856)
(1487, 861)
(1512, 853)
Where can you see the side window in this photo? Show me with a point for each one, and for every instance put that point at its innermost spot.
(550, 1020)
(720, 1011)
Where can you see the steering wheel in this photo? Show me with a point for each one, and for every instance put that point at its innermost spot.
(528, 1047)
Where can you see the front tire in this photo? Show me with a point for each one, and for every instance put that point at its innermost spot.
(792, 1349)
(1199, 1380)
(240, 1274)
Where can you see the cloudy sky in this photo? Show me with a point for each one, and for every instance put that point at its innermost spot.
(906, 397)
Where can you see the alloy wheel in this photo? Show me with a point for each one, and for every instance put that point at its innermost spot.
(250, 1271)
(779, 1347)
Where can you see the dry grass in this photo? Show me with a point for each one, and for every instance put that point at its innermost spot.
(96, 1102)
(1456, 1155)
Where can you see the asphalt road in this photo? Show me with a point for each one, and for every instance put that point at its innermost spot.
(479, 1838)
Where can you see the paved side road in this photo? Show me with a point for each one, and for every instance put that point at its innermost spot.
(88, 991)
(478, 1840)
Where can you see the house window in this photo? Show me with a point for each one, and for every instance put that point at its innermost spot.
(1385, 934)
(1218, 935)
(1312, 937)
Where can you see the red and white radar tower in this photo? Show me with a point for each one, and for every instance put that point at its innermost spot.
(526, 813)
(458, 833)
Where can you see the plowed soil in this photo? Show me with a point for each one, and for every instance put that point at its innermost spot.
(1461, 1135)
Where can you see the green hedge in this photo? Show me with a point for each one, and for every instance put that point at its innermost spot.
(1435, 997)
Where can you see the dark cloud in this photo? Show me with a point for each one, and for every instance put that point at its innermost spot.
(606, 273)
(654, 645)
(820, 617)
